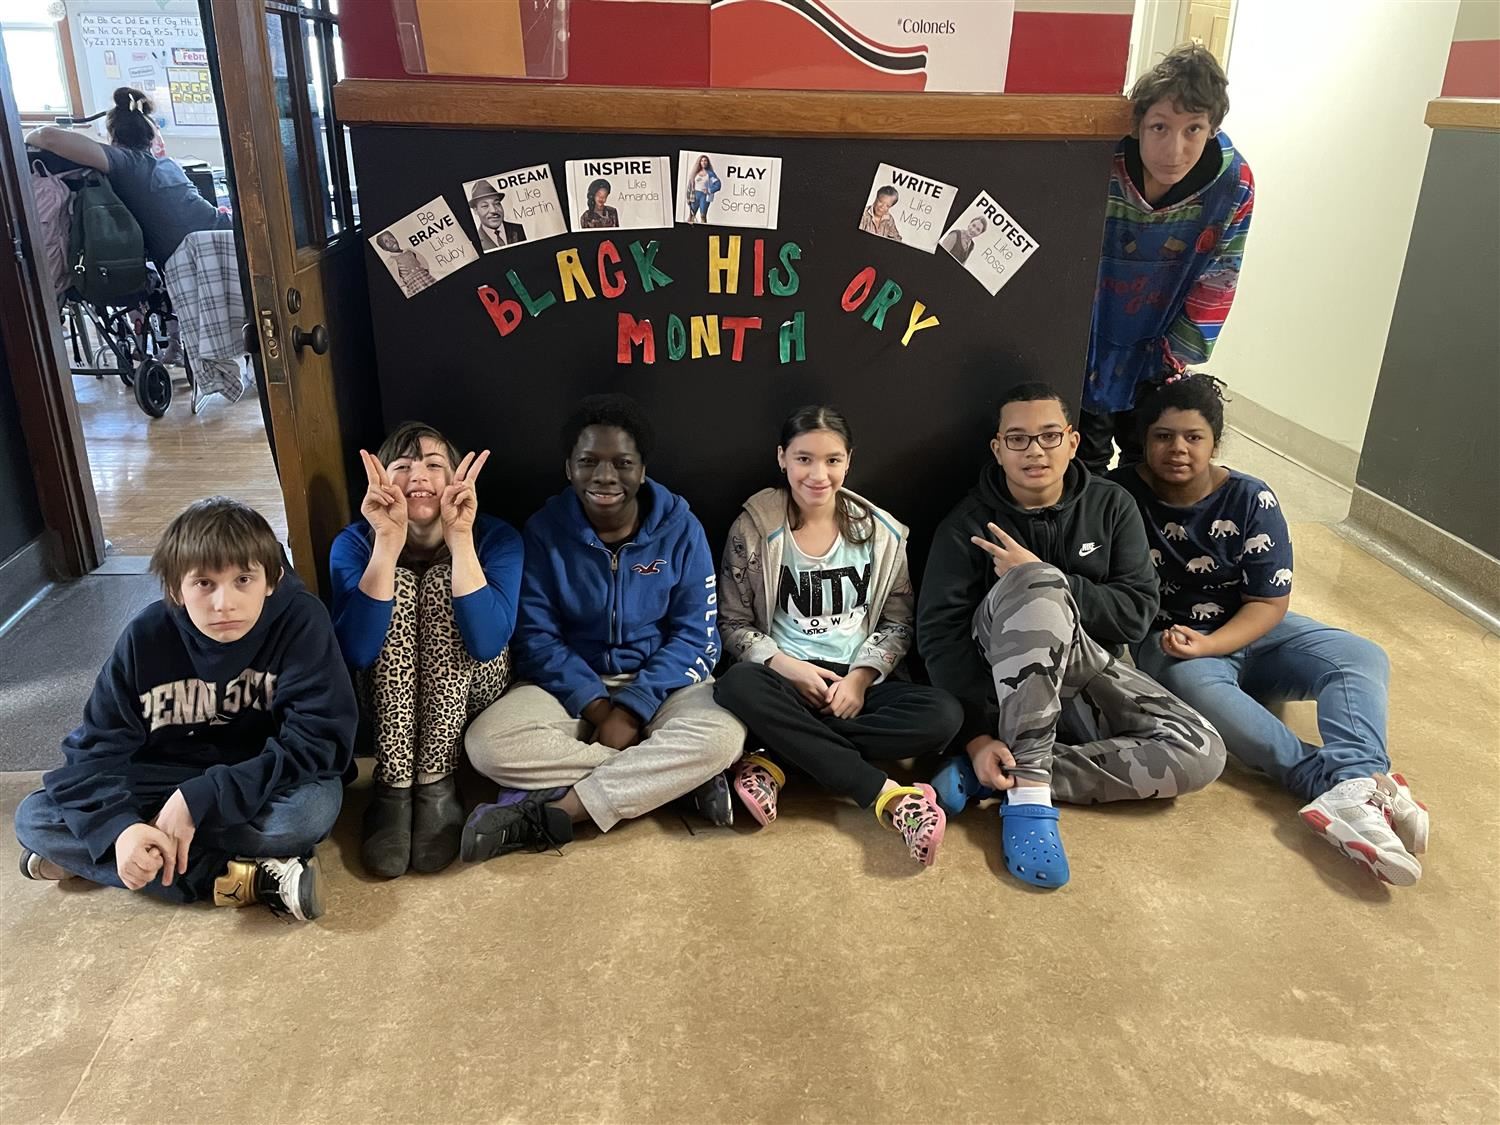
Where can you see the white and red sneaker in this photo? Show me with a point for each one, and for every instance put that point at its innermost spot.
(1409, 816)
(1356, 817)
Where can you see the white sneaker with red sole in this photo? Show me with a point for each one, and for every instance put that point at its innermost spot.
(1409, 816)
(1355, 816)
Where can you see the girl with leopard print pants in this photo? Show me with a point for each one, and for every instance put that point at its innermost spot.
(424, 604)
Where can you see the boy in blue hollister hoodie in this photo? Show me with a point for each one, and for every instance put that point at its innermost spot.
(211, 756)
(615, 647)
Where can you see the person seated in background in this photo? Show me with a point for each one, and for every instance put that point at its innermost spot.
(1226, 641)
(1038, 569)
(213, 749)
(1180, 199)
(816, 608)
(615, 648)
(155, 189)
(424, 603)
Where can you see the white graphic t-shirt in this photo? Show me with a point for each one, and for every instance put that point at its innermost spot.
(821, 602)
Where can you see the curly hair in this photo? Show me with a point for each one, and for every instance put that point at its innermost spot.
(617, 410)
(1196, 391)
(1191, 78)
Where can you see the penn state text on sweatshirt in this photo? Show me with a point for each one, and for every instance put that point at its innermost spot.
(648, 607)
(486, 617)
(1093, 534)
(230, 724)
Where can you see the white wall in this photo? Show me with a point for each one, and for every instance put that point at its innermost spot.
(1327, 100)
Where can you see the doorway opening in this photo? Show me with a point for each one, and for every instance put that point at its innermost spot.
(171, 405)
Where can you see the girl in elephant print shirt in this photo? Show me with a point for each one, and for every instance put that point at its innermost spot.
(1227, 645)
(1214, 554)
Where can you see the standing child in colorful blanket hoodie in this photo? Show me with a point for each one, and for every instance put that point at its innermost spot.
(1174, 234)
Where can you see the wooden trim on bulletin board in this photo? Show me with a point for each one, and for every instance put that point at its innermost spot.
(782, 113)
(1464, 113)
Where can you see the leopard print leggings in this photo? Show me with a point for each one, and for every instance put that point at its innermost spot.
(424, 687)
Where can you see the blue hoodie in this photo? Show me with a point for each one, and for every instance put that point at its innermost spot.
(486, 617)
(588, 612)
(228, 724)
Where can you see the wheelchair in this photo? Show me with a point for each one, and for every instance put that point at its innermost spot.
(137, 341)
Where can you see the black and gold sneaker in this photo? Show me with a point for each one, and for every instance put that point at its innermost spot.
(292, 887)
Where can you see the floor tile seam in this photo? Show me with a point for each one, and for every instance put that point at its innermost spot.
(109, 1028)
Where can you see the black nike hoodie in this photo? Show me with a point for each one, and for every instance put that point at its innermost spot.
(229, 724)
(1094, 535)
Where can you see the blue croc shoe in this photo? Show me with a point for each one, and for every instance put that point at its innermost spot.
(1031, 845)
(957, 784)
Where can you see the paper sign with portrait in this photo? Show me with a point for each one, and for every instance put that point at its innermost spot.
(721, 189)
(906, 207)
(988, 243)
(513, 208)
(620, 193)
(424, 247)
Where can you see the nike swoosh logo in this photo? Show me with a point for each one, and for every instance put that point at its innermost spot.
(1087, 549)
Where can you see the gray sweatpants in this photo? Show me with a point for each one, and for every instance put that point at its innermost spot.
(1075, 717)
(527, 740)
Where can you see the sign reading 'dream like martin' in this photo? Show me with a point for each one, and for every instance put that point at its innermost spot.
(988, 243)
(515, 207)
(908, 208)
(724, 190)
(424, 246)
(620, 193)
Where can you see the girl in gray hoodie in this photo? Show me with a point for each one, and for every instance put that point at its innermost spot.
(816, 608)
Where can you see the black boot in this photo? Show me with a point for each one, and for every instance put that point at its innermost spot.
(386, 847)
(437, 824)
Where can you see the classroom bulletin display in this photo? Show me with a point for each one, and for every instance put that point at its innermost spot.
(720, 329)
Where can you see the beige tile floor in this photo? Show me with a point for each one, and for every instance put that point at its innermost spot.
(1210, 961)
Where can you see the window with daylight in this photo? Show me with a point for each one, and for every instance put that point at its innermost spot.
(33, 49)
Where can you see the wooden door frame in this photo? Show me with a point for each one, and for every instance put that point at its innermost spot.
(39, 370)
(262, 203)
(304, 417)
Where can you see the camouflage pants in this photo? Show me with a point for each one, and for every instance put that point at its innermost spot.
(1075, 717)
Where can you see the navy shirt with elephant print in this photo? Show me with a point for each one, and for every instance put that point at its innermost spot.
(1211, 555)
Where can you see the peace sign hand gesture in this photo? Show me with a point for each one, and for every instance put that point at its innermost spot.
(459, 503)
(1005, 552)
(384, 505)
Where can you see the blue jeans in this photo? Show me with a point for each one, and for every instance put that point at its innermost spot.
(1299, 659)
(291, 824)
(699, 205)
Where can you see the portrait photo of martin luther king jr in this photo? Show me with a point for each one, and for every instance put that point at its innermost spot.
(495, 233)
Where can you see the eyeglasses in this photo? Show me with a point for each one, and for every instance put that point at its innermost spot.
(1047, 439)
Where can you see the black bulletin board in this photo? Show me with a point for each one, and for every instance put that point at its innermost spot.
(921, 414)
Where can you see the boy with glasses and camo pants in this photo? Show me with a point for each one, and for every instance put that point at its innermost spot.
(1032, 580)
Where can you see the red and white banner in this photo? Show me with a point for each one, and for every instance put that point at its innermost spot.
(860, 44)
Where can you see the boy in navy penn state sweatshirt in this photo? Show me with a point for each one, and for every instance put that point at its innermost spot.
(213, 748)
